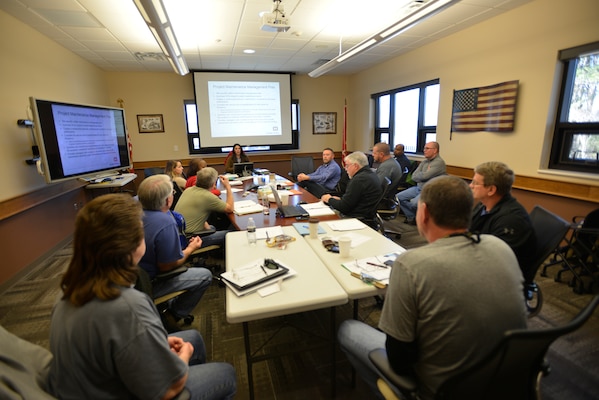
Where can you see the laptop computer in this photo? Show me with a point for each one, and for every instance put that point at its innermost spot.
(290, 210)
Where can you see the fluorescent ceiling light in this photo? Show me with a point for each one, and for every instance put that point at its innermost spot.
(424, 11)
(154, 13)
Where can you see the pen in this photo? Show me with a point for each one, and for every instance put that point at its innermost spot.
(377, 265)
(263, 270)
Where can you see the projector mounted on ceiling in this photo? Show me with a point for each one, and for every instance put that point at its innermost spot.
(275, 21)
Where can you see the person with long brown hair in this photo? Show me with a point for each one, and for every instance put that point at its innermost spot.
(106, 337)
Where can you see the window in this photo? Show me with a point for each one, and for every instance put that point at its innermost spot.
(193, 131)
(575, 145)
(407, 115)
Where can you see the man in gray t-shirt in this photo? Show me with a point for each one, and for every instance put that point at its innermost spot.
(448, 303)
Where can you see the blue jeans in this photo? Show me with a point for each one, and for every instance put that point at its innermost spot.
(194, 280)
(206, 381)
(357, 339)
(217, 238)
(408, 201)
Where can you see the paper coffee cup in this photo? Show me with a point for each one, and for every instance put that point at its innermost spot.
(344, 246)
(284, 195)
(313, 225)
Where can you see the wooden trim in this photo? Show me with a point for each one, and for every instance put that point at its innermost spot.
(18, 204)
(220, 160)
(578, 191)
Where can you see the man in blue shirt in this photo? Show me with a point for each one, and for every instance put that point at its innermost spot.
(325, 178)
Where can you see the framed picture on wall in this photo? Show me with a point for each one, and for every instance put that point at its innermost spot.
(324, 123)
(150, 123)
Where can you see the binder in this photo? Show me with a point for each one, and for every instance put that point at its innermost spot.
(253, 274)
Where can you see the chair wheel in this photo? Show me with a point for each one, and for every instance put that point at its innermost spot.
(188, 320)
(534, 299)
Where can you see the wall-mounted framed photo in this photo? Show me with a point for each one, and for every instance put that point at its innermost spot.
(324, 123)
(150, 123)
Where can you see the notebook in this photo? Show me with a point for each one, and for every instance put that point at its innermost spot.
(290, 210)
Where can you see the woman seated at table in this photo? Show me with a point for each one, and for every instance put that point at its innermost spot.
(174, 169)
(195, 164)
(236, 156)
(107, 338)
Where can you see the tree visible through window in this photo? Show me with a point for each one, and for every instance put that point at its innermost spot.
(576, 137)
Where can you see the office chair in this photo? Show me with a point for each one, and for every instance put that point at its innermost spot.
(144, 284)
(377, 223)
(549, 231)
(512, 370)
(301, 164)
(387, 209)
(580, 254)
(153, 171)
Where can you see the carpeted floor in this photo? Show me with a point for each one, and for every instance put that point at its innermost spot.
(25, 310)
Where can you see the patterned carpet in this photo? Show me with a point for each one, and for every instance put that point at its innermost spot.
(25, 310)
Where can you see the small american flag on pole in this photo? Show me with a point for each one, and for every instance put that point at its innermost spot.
(489, 108)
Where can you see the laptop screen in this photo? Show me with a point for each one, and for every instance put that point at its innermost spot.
(243, 169)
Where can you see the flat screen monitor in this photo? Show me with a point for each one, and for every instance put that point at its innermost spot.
(79, 140)
(244, 168)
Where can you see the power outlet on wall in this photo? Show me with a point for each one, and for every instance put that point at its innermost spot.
(78, 206)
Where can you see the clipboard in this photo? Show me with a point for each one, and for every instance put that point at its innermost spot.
(253, 274)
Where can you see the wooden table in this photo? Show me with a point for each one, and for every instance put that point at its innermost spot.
(272, 219)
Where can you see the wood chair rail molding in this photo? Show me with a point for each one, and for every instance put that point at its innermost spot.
(578, 191)
(568, 190)
(18, 204)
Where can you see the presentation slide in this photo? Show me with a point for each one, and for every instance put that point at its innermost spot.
(86, 138)
(252, 109)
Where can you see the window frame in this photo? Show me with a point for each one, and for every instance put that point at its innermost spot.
(192, 136)
(421, 131)
(563, 132)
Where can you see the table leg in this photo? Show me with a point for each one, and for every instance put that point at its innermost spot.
(333, 350)
(248, 358)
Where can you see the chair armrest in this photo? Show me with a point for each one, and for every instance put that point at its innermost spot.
(170, 274)
(204, 232)
(405, 384)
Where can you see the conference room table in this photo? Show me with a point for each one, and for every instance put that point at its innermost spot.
(312, 287)
(366, 242)
(247, 190)
(321, 280)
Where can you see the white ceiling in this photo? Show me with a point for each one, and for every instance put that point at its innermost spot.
(213, 33)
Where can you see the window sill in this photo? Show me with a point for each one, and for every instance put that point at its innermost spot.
(569, 174)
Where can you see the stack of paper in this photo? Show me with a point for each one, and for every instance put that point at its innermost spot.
(376, 268)
(349, 224)
(246, 207)
(318, 209)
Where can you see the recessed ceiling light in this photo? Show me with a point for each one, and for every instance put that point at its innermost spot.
(249, 51)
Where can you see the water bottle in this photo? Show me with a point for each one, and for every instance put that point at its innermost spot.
(251, 231)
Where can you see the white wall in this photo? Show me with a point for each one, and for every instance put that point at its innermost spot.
(521, 44)
(32, 65)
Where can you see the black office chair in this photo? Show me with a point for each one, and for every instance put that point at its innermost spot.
(512, 370)
(580, 254)
(549, 231)
(377, 223)
(301, 164)
(144, 284)
(153, 171)
(388, 209)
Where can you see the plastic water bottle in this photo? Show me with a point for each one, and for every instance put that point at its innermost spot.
(251, 231)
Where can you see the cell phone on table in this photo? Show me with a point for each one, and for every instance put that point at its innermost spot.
(302, 217)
